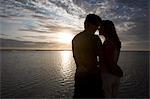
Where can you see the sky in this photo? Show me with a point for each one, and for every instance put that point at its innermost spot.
(51, 24)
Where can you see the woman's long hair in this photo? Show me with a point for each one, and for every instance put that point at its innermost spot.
(109, 28)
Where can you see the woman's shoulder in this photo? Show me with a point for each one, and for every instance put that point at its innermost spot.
(112, 44)
(109, 43)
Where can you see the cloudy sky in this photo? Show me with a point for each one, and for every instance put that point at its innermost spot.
(51, 24)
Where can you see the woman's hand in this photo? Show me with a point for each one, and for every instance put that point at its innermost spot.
(116, 70)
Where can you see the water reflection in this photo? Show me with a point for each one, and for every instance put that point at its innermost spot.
(65, 64)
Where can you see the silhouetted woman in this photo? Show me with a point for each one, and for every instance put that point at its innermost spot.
(110, 71)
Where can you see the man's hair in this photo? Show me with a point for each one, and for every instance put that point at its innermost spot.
(92, 19)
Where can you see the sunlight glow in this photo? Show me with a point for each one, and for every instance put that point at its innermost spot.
(65, 37)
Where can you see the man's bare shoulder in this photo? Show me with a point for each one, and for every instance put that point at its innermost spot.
(78, 37)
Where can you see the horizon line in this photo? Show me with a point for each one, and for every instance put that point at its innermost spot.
(64, 50)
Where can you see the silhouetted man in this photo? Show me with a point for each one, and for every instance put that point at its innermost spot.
(88, 82)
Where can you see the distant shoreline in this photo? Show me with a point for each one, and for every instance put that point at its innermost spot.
(30, 50)
(59, 50)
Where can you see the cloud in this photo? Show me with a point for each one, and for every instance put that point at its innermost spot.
(34, 30)
(42, 20)
(125, 26)
(132, 45)
(15, 44)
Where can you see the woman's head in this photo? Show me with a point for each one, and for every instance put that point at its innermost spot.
(107, 29)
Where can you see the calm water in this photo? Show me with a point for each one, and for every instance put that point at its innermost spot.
(50, 74)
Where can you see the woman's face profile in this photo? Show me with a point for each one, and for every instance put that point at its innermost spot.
(101, 30)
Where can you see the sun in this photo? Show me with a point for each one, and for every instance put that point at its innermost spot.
(65, 37)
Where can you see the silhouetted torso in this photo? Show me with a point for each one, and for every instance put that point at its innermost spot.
(111, 51)
(84, 52)
(87, 76)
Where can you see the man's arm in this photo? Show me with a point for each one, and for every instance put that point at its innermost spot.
(99, 51)
(78, 56)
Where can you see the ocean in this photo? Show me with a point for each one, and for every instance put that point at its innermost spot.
(50, 74)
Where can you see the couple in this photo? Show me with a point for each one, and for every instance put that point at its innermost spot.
(97, 73)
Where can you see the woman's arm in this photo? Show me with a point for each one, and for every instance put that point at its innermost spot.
(111, 59)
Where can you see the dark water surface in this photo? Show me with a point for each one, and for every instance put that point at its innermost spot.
(50, 74)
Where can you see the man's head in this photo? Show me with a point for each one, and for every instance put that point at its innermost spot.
(92, 22)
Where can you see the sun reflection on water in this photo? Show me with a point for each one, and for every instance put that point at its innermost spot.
(66, 64)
